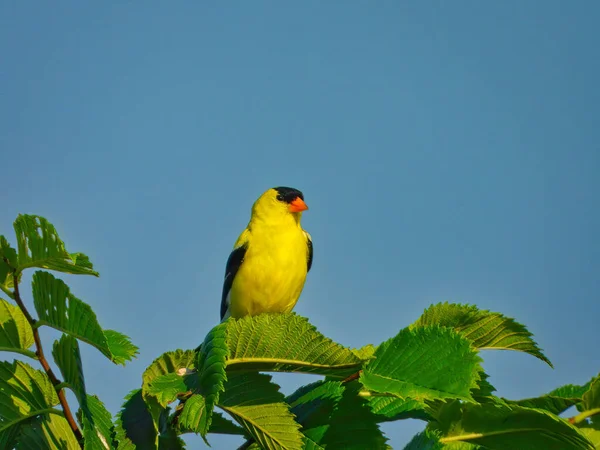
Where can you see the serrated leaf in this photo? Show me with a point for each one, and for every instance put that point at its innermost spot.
(166, 387)
(24, 393)
(211, 369)
(502, 427)
(58, 308)
(8, 263)
(68, 359)
(258, 406)
(39, 246)
(135, 427)
(365, 353)
(487, 330)
(97, 426)
(16, 334)
(591, 399)
(48, 432)
(286, 343)
(388, 409)
(426, 440)
(424, 363)
(176, 362)
(550, 403)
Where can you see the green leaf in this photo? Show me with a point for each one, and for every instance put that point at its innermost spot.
(500, 427)
(68, 359)
(592, 433)
(135, 427)
(389, 409)
(178, 362)
(553, 404)
(166, 387)
(365, 353)
(24, 393)
(97, 426)
(58, 308)
(333, 415)
(8, 264)
(16, 334)
(211, 368)
(8, 437)
(426, 440)
(193, 416)
(39, 246)
(286, 343)
(591, 399)
(258, 406)
(487, 330)
(48, 432)
(313, 406)
(424, 363)
(352, 425)
(120, 346)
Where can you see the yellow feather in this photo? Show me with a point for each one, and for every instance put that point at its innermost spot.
(272, 275)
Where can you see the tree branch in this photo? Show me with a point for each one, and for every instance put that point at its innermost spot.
(44, 362)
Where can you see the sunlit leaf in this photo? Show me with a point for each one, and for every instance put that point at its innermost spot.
(48, 432)
(393, 408)
(39, 246)
(178, 362)
(166, 387)
(24, 393)
(58, 308)
(16, 334)
(8, 264)
(424, 363)
(97, 426)
(487, 330)
(285, 342)
(502, 427)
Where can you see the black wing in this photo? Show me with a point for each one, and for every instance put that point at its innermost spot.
(310, 251)
(235, 260)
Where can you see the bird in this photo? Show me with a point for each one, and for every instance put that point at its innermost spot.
(266, 271)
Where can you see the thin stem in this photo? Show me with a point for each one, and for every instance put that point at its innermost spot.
(584, 415)
(44, 362)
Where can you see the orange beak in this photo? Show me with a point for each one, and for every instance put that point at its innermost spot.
(298, 205)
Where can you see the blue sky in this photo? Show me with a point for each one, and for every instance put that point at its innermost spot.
(447, 151)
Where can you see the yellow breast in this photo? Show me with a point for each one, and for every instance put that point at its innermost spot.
(272, 275)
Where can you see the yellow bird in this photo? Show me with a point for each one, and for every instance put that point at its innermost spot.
(267, 268)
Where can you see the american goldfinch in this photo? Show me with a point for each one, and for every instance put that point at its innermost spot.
(267, 268)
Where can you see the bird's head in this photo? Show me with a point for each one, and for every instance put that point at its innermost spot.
(279, 203)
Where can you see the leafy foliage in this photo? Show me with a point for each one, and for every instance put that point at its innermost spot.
(429, 371)
(258, 406)
(58, 308)
(285, 342)
(498, 426)
(426, 363)
(34, 412)
(39, 246)
(16, 335)
(487, 330)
